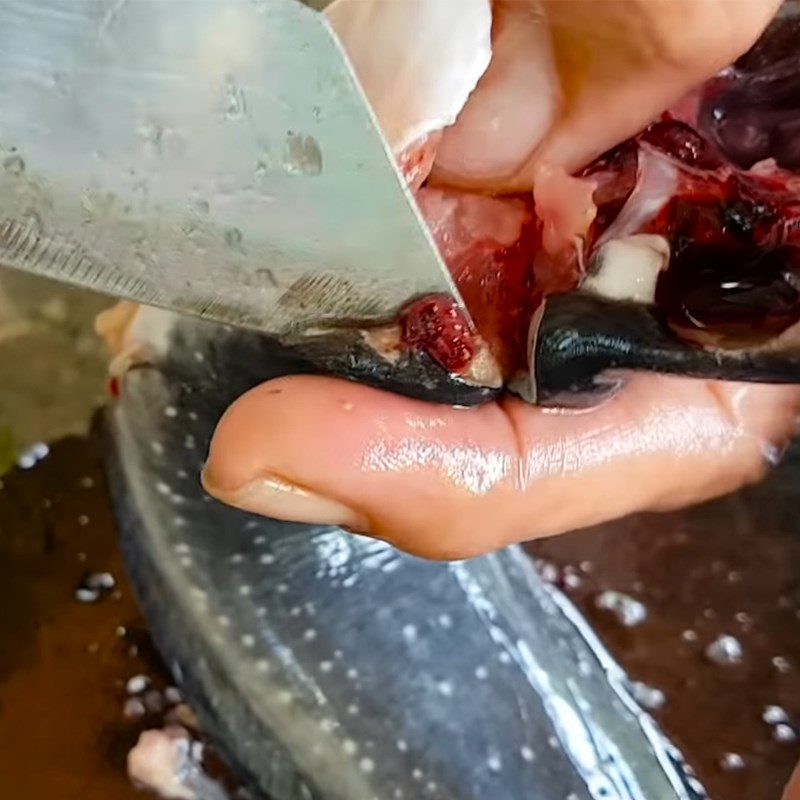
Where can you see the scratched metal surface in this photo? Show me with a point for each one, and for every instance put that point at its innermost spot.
(213, 158)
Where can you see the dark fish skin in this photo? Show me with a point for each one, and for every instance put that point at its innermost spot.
(332, 667)
(345, 353)
(582, 342)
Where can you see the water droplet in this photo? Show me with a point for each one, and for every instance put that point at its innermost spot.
(14, 165)
(547, 571)
(731, 762)
(100, 580)
(773, 715)
(233, 238)
(648, 696)
(154, 701)
(84, 595)
(302, 155)
(137, 684)
(367, 765)
(153, 135)
(725, 650)
(234, 101)
(93, 586)
(781, 664)
(571, 579)
(783, 733)
(349, 747)
(410, 633)
(33, 455)
(744, 619)
(133, 708)
(627, 611)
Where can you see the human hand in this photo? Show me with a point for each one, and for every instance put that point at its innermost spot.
(446, 482)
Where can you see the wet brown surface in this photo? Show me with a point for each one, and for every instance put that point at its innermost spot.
(724, 569)
(64, 664)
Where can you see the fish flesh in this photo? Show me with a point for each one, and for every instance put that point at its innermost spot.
(678, 220)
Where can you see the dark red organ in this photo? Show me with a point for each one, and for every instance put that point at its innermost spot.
(731, 216)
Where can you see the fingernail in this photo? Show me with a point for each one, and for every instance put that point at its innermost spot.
(271, 496)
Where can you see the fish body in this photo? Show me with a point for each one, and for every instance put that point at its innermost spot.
(330, 666)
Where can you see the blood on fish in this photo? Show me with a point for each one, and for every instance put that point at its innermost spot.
(488, 245)
(733, 226)
(437, 325)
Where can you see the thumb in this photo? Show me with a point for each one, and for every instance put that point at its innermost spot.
(446, 482)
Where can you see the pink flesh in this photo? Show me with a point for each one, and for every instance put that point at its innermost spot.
(506, 253)
(487, 244)
(154, 762)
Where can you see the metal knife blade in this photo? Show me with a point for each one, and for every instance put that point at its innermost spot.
(214, 158)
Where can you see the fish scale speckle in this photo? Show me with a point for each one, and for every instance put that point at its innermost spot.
(526, 753)
(445, 688)
(367, 765)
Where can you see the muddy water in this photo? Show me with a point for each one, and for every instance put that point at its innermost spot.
(709, 618)
(68, 717)
(64, 664)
